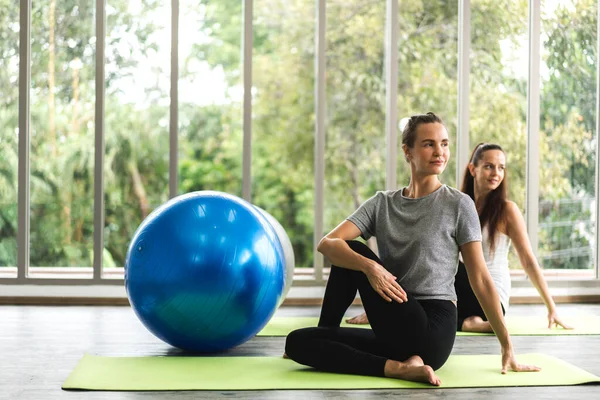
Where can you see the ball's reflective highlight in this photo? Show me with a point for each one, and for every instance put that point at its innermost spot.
(205, 271)
(288, 252)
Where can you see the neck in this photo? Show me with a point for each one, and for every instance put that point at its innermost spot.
(420, 187)
(480, 196)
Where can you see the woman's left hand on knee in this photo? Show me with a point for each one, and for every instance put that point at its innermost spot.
(386, 284)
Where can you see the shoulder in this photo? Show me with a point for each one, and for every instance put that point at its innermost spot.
(512, 218)
(514, 225)
(457, 198)
(454, 193)
(385, 195)
(380, 197)
(512, 212)
(511, 208)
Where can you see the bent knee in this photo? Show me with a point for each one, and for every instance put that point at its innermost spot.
(435, 361)
(291, 344)
(357, 246)
(297, 341)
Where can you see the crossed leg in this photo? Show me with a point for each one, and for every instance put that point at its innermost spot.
(390, 349)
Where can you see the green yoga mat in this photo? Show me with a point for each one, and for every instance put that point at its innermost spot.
(517, 325)
(267, 373)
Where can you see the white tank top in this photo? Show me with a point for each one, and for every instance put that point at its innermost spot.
(498, 264)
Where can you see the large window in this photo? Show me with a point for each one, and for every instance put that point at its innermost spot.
(498, 95)
(427, 71)
(355, 139)
(567, 135)
(136, 169)
(210, 96)
(9, 114)
(62, 134)
(283, 118)
(286, 116)
(498, 92)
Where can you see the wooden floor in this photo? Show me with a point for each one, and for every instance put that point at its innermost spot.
(40, 345)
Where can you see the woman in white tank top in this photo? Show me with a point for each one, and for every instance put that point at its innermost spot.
(502, 223)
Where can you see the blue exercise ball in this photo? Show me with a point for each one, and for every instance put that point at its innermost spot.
(288, 252)
(205, 271)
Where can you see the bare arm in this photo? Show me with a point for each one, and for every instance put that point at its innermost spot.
(484, 289)
(334, 247)
(517, 232)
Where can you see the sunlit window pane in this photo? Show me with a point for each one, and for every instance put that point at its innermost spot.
(427, 71)
(210, 96)
(210, 107)
(355, 149)
(283, 118)
(62, 133)
(9, 122)
(136, 170)
(499, 73)
(567, 135)
(498, 92)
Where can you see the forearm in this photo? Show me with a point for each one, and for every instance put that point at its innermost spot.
(517, 231)
(487, 295)
(537, 278)
(340, 254)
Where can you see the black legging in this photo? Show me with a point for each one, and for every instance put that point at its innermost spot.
(426, 328)
(467, 305)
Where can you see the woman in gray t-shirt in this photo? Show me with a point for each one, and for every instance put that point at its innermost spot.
(501, 223)
(408, 293)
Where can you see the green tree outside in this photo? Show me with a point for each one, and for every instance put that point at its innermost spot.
(136, 159)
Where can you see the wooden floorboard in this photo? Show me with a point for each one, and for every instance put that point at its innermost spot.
(39, 346)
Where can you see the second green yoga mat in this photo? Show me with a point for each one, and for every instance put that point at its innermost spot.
(272, 373)
(517, 325)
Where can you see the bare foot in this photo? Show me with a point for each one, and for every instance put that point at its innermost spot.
(413, 370)
(414, 361)
(285, 356)
(358, 320)
(476, 324)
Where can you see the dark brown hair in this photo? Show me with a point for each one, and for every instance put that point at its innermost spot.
(409, 134)
(494, 206)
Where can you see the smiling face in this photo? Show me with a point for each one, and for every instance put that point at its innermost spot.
(431, 151)
(488, 173)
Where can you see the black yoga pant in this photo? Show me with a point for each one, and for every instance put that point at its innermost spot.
(426, 328)
(467, 305)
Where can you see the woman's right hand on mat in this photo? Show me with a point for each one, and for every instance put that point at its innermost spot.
(384, 283)
(509, 362)
(554, 320)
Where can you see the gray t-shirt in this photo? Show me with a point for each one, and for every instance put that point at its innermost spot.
(419, 239)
